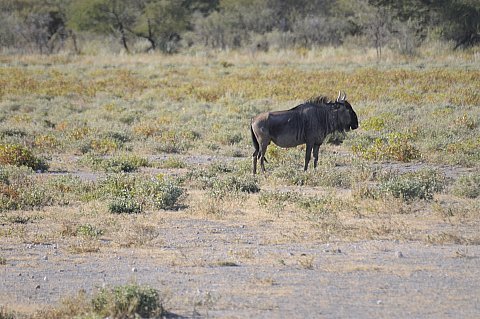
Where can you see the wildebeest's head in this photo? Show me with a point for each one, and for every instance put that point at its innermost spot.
(347, 118)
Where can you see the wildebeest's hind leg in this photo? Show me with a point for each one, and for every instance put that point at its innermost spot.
(308, 155)
(255, 158)
(263, 151)
(316, 148)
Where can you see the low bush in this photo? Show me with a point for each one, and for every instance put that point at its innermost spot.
(467, 186)
(175, 141)
(373, 123)
(326, 175)
(134, 194)
(231, 185)
(422, 185)
(395, 146)
(128, 301)
(124, 164)
(124, 205)
(320, 206)
(20, 190)
(276, 201)
(115, 164)
(221, 180)
(173, 162)
(17, 155)
(89, 231)
(161, 193)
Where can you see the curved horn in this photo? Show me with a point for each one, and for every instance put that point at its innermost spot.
(344, 96)
(339, 96)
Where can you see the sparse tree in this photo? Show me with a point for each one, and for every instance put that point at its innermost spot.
(379, 29)
(103, 16)
(459, 20)
(160, 22)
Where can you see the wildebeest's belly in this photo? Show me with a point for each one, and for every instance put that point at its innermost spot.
(287, 140)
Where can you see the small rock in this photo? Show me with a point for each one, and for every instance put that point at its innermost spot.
(20, 275)
(45, 257)
(399, 254)
(45, 278)
(134, 269)
(37, 287)
(379, 302)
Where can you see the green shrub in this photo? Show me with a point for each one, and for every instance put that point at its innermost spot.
(116, 185)
(395, 146)
(223, 178)
(231, 185)
(421, 185)
(467, 186)
(88, 230)
(173, 162)
(124, 164)
(115, 164)
(124, 205)
(120, 302)
(17, 155)
(175, 141)
(162, 193)
(326, 175)
(133, 194)
(66, 189)
(129, 301)
(276, 201)
(19, 189)
(373, 123)
(320, 206)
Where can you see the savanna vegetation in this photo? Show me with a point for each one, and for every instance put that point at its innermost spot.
(169, 26)
(98, 144)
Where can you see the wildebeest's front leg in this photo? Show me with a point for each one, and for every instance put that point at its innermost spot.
(308, 155)
(316, 148)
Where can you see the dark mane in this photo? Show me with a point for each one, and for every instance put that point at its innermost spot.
(318, 100)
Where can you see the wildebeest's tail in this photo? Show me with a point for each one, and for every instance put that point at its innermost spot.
(255, 142)
(256, 145)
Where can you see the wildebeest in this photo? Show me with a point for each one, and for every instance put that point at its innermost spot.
(308, 123)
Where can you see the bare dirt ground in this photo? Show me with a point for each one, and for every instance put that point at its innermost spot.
(197, 269)
(259, 265)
